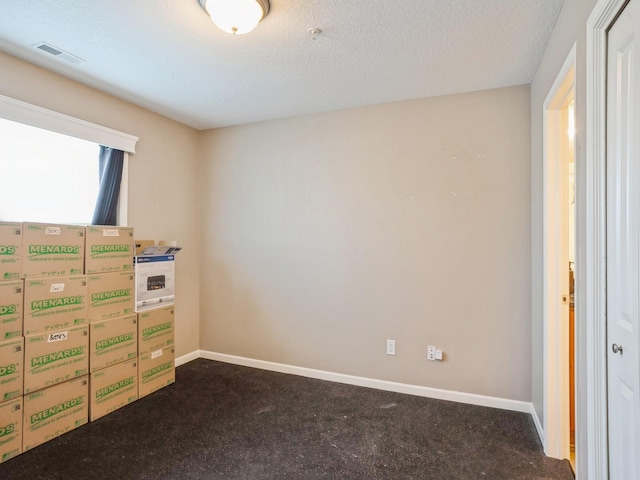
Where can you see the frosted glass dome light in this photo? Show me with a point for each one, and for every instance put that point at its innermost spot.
(236, 16)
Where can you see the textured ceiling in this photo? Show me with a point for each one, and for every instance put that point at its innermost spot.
(167, 56)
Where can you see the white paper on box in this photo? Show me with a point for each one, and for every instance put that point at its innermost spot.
(57, 337)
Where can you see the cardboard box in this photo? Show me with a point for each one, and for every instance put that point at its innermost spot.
(110, 295)
(113, 341)
(155, 281)
(55, 357)
(155, 329)
(11, 369)
(156, 370)
(52, 250)
(108, 249)
(10, 251)
(141, 245)
(54, 411)
(113, 388)
(10, 429)
(11, 311)
(54, 303)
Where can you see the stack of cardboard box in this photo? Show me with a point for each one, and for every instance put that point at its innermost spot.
(114, 331)
(11, 340)
(155, 293)
(69, 331)
(56, 334)
(157, 355)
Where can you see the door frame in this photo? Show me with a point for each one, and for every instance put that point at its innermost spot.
(591, 329)
(556, 315)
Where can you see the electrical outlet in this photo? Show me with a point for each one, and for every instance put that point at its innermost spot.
(391, 347)
(431, 352)
(438, 354)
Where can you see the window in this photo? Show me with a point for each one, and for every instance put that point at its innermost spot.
(64, 145)
(49, 177)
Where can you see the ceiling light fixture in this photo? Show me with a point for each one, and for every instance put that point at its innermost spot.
(236, 16)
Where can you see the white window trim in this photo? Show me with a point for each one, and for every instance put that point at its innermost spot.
(122, 217)
(22, 112)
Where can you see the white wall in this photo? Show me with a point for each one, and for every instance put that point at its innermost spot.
(163, 198)
(328, 234)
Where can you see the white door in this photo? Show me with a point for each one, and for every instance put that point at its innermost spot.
(623, 243)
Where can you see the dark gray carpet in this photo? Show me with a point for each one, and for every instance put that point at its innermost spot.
(221, 421)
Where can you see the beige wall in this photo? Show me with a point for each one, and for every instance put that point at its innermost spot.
(163, 199)
(326, 235)
(570, 28)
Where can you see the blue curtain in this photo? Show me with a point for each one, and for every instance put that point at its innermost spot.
(111, 162)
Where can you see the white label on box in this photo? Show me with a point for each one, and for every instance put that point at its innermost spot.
(52, 231)
(57, 337)
(57, 287)
(111, 233)
(156, 354)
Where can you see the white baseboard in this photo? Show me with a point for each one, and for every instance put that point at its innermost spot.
(460, 397)
(187, 358)
(538, 424)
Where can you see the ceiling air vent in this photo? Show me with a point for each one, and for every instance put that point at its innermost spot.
(57, 52)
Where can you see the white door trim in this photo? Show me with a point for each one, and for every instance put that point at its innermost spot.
(591, 440)
(556, 341)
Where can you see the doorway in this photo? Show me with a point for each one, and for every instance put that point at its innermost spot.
(559, 263)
